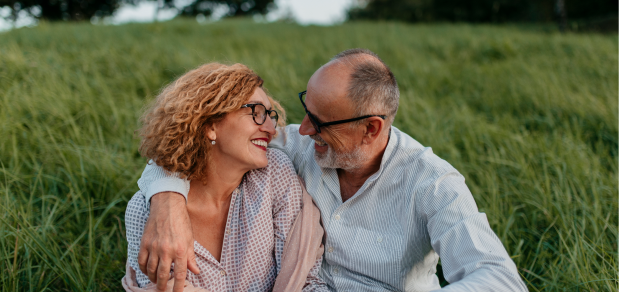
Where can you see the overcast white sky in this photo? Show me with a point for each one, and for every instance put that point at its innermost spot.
(320, 12)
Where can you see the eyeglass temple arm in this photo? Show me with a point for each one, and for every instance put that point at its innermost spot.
(350, 120)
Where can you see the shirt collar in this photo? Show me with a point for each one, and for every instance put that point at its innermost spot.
(387, 153)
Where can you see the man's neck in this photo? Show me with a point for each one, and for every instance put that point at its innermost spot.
(352, 180)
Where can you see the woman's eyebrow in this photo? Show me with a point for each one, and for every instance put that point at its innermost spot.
(260, 102)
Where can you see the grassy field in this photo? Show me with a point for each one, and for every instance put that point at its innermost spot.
(530, 117)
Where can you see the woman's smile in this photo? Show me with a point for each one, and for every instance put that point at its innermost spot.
(261, 143)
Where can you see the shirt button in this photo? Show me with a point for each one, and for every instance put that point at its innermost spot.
(222, 272)
(330, 249)
(228, 231)
(336, 270)
(379, 239)
(337, 217)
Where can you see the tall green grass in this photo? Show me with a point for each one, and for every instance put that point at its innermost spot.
(529, 117)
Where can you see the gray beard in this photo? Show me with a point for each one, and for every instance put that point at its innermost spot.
(331, 159)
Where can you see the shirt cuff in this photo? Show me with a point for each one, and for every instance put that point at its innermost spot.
(169, 184)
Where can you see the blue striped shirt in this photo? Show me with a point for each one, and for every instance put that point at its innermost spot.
(391, 233)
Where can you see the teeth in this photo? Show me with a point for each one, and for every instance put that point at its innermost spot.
(320, 143)
(260, 143)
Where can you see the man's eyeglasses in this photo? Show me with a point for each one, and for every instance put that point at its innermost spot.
(260, 113)
(317, 126)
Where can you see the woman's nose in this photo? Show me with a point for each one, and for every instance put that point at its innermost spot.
(269, 126)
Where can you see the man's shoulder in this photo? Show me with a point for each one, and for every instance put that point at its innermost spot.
(417, 162)
(424, 173)
(289, 140)
(292, 127)
(291, 132)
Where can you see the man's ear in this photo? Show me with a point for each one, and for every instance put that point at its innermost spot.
(373, 128)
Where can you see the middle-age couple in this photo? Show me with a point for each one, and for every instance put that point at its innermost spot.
(389, 207)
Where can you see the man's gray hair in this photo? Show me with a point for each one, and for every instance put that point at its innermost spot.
(373, 88)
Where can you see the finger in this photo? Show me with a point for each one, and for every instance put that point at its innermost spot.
(180, 271)
(163, 273)
(191, 261)
(151, 267)
(143, 258)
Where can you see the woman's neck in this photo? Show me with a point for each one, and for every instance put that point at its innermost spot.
(208, 204)
(216, 189)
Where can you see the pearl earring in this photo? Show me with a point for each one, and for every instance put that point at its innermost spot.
(213, 142)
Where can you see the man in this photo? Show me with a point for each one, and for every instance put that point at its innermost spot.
(390, 207)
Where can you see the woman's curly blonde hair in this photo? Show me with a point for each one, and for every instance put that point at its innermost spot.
(174, 127)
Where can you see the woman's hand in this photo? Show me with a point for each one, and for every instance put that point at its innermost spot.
(167, 238)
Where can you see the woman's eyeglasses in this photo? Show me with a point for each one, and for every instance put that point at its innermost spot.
(260, 113)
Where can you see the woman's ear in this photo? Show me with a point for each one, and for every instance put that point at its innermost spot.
(211, 132)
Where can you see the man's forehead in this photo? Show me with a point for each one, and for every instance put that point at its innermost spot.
(331, 80)
(336, 74)
(327, 93)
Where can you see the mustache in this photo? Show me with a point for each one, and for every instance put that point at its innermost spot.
(316, 137)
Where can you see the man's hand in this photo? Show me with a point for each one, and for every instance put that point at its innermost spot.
(167, 238)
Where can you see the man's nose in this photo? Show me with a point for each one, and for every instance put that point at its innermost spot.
(306, 127)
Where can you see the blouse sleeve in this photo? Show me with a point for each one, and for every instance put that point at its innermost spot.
(135, 220)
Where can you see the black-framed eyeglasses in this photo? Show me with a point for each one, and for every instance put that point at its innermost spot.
(317, 126)
(260, 113)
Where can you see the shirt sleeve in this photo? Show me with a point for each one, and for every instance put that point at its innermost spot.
(136, 215)
(287, 194)
(156, 180)
(472, 256)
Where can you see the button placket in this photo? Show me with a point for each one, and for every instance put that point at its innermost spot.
(235, 196)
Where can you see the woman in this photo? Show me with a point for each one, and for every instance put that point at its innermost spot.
(212, 126)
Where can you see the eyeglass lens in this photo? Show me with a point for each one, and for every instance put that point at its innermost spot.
(260, 114)
(310, 116)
